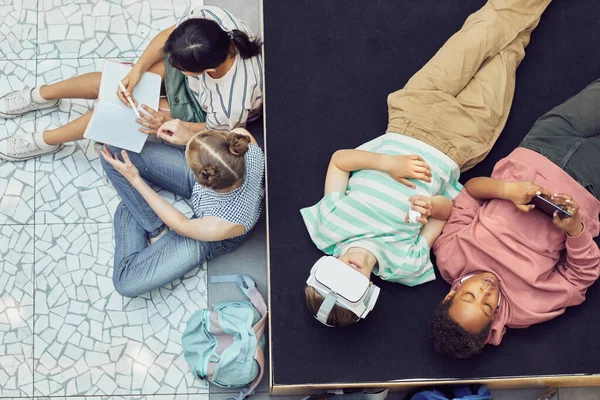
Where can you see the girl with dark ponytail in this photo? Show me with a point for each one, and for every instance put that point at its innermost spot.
(222, 62)
(220, 173)
(211, 68)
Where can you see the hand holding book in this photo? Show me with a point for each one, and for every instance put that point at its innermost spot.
(152, 120)
(126, 86)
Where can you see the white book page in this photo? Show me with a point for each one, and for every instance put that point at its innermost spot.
(113, 122)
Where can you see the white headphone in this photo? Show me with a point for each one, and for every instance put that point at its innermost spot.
(464, 278)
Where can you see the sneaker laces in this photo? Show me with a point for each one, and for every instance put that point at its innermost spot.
(17, 101)
(21, 144)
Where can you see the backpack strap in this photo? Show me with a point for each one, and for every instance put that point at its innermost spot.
(248, 287)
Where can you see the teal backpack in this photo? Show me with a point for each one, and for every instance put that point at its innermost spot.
(225, 343)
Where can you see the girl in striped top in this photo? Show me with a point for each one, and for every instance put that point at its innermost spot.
(211, 68)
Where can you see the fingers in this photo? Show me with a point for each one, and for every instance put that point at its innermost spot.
(422, 205)
(416, 157)
(532, 192)
(125, 157)
(170, 127)
(556, 218)
(166, 137)
(122, 97)
(421, 210)
(408, 183)
(544, 192)
(147, 117)
(144, 123)
(423, 170)
(526, 208)
(422, 177)
(150, 124)
(112, 159)
(106, 154)
(567, 202)
(566, 197)
(150, 131)
(420, 201)
(149, 110)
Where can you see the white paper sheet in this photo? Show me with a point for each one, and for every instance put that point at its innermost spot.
(113, 122)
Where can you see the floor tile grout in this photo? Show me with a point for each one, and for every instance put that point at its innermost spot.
(35, 163)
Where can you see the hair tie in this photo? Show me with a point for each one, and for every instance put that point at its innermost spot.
(230, 34)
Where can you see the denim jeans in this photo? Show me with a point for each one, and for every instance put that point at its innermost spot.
(138, 266)
(569, 136)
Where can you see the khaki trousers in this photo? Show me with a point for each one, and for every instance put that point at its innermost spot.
(460, 100)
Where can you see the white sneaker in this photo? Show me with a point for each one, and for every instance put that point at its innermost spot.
(19, 102)
(24, 146)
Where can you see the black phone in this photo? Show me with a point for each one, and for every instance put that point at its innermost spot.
(547, 207)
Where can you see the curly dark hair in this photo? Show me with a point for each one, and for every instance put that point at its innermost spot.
(450, 338)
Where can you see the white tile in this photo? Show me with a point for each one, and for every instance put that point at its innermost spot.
(18, 21)
(579, 393)
(182, 7)
(203, 396)
(91, 341)
(519, 394)
(101, 28)
(16, 179)
(71, 186)
(16, 310)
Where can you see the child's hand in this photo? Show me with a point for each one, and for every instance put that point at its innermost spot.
(130, 82)
(571, 225)
(422, 205)
(403, 167)
(175, 132)
(153, 120)
(125, 167)
(521, 194)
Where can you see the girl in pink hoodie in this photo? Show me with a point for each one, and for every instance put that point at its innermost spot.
(511, 265)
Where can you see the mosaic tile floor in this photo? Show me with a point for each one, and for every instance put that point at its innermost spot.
(64, 331)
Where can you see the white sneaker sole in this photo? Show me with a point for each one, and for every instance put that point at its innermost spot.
(30, 157)
(38, 108)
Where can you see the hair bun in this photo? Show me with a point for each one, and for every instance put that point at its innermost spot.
(238, 144)
(208, 171)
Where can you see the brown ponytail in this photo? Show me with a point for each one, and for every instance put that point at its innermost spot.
(217, 158)
(238, 144)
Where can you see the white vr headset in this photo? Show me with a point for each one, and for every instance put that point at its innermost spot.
(340, 284)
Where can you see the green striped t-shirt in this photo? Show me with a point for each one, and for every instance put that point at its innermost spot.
(371, 213)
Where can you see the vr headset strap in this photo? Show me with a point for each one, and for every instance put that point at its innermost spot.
(326, 308)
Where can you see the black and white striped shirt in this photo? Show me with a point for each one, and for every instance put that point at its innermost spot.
(236, 97)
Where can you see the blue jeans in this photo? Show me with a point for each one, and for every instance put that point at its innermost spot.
(138, 266)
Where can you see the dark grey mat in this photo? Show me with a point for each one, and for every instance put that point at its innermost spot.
(330, 65)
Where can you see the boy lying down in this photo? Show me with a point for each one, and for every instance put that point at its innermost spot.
(365, 225)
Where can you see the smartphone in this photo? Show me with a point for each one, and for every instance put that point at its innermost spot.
(547, 207)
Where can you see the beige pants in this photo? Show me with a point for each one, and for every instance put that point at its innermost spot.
(460, 100)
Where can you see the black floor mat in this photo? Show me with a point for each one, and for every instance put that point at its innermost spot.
(329, 68)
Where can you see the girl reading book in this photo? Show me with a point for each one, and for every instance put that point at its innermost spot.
(211, 71)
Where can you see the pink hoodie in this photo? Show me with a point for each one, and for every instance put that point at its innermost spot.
(541, 270)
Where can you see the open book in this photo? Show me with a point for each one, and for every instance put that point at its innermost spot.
(113, 122)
